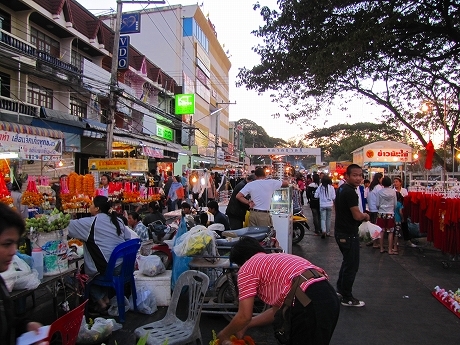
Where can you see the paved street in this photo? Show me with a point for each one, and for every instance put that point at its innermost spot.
(399, 307)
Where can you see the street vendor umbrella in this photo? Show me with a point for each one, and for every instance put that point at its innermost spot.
(429, 155)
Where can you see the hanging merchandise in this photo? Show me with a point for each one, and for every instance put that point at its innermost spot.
(429, 155)
(77, 192)
(5, 196)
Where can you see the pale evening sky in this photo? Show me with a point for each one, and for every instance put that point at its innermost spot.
(234, 20)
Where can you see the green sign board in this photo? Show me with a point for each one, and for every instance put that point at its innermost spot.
(165, 132)
(185, 104)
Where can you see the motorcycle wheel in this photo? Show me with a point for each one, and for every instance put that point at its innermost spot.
(228, 295)
(298, 232)
(164, 258)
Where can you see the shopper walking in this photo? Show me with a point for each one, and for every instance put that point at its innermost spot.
(236, 210)
(314, 203)
(326, 195)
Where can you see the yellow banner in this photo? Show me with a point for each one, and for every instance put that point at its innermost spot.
(113, 164)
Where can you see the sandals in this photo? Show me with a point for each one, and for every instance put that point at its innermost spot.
(393, 252)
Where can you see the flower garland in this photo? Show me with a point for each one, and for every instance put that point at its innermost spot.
(247, 340)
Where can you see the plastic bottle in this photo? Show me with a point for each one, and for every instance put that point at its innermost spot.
(37, 256)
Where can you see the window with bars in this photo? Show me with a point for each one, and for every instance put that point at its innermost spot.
(77, 60)
(44, 42)
(78, 107)
(5, 85)
(39, 95)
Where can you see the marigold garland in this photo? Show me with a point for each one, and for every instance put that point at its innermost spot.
(247, 340)
(31, 198)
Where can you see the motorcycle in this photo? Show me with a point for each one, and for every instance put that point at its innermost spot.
(162, 236)
(266, 236)
(299, 225)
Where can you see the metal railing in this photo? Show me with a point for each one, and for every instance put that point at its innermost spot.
(17, 43)
(19, 107)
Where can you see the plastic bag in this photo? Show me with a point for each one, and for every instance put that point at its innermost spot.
(100, 330)
(151, 265)
(194, 242)
(29, 281)
(373, 230)
(16, 269)
(180, 263)
(146, 301)
(113, 310)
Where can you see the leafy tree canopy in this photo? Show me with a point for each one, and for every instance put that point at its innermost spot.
(393, 53)
(255, 135)
(337, 142)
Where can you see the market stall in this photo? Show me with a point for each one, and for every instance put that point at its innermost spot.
(128, 185)
(382, 155)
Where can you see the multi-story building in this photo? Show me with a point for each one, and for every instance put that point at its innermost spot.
(183, 42)
(55, 58)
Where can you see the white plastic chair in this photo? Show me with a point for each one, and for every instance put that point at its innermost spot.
(171, 328)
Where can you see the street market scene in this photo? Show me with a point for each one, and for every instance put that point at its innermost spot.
(175, 172)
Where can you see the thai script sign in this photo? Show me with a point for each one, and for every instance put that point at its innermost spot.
(113, 164)
(388, 155)
(152, 152)
(185, 104)
(301, 151)
(29, 146)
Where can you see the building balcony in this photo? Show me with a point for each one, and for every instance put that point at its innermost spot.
(56, 62)
(14, 106)
(8, 39)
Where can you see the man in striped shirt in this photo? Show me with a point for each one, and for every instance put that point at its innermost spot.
(269, 276)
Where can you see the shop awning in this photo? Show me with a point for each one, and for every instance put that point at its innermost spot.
(125, 140)
(25, 129)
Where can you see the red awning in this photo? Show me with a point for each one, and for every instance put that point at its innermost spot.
(25, 129)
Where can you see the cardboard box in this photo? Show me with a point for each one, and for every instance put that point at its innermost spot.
(159, 285)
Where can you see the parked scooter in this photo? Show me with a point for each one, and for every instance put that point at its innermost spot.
(266, 235)
(159, 233)
(299, 225)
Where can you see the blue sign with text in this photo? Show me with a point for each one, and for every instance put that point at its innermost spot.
(130, 23)
(123, 51)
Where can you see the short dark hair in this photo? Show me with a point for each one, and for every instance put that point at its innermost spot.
(259, 172)
(11, 219)
(386, 182)
(244, 249)
(154, 205)
(213, 204)
(352, 167)
(185, 205)
(250, 178)
(134, 215)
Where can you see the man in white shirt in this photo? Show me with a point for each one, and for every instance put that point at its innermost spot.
(261, 191)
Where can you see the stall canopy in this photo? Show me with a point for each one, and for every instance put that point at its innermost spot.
(25, 129)
(383, 152)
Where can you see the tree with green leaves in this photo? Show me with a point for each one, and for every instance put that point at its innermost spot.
(338, 141)
(396, 54)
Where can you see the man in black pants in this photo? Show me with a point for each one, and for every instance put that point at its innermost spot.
(348, 217)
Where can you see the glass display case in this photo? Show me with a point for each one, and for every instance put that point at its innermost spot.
(282, 201)
(281, 213)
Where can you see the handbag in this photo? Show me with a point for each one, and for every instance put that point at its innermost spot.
(283, 316)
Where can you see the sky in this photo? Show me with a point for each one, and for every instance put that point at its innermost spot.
(234, 20)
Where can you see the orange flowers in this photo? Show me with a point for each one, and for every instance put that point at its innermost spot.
(31, 198)
(247, 340)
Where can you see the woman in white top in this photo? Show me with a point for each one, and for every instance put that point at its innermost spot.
(326, 195)
(397, 184)
(374, 187)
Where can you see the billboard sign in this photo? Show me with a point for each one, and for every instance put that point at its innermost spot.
(130, 23)
(123, 51)
(185, 104)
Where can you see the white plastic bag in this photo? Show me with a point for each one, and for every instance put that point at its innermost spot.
(151, 265)
(16, 269)
(368, 227)
(194, 242)
(100, 331)
(146, 301)
(113, 310)
(29, 281)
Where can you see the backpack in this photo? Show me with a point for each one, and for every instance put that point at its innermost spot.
(180, 193)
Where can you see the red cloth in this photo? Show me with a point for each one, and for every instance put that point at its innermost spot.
(429, 155)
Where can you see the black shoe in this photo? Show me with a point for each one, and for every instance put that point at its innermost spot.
(323, 236)
(352, 302)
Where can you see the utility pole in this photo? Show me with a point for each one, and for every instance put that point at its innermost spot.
(114, 70)
(216, 139)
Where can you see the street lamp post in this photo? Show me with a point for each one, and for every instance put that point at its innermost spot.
(216, 139)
